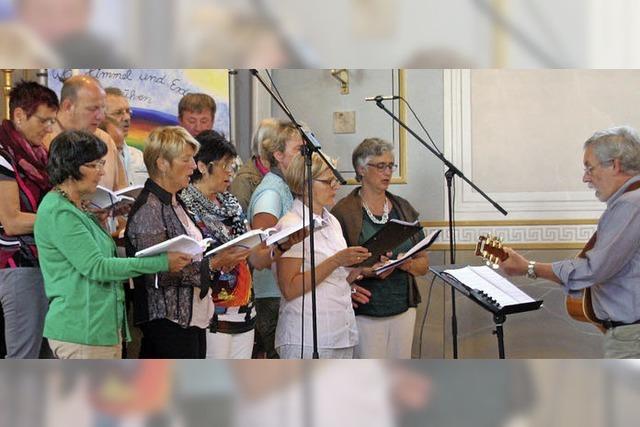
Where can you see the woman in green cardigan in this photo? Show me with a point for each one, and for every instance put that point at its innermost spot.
(82, 275)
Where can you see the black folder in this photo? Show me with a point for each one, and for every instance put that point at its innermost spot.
(388, 237)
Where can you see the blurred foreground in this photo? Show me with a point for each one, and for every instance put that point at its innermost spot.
(294, 34)
(321, 393)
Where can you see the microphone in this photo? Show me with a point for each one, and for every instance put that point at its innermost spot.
(382, 98)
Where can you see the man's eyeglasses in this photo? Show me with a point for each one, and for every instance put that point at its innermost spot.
(382, 166)
(334, 183)
(96, 165)
(588, 170)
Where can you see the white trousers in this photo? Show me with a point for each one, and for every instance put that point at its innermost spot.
(230, 346)
(385, 337)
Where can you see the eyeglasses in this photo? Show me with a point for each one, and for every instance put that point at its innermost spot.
(382, 166)
(231, 167)
(334, 183)
(44, 121)
(588, 170)
(96, 165)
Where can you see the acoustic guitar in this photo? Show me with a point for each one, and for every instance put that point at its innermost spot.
(578, 303)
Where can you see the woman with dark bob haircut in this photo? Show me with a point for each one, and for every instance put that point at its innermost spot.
(23, 184)
(82, 275)
(220, 216)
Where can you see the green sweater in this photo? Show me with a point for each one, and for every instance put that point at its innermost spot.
(82, 275)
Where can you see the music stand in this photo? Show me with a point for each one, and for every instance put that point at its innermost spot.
(485, 301)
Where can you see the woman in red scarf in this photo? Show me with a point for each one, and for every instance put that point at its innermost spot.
(23, 183)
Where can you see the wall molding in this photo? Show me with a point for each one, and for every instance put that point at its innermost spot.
(470, 205)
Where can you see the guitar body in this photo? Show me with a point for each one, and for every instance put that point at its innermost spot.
(580, 308)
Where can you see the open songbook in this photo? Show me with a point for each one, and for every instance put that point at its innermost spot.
(485, 281)
(182, 243)
(104, 198)
(420, 246)
(270, 236)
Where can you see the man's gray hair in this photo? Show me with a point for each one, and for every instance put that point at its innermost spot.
(370, 147)
(622, 143)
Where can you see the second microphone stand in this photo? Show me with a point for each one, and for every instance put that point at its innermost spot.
(451, 172)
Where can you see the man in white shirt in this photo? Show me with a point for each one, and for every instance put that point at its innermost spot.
(119, 111)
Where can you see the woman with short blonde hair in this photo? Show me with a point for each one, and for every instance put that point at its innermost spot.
(169, 143)
(269, 202)
(173, 310)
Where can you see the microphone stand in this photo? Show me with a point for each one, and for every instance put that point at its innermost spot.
(310, 146)
(451, 172)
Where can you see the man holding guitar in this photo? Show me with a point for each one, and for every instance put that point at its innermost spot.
(607, 270)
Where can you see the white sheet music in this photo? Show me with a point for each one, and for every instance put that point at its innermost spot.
(487, 280)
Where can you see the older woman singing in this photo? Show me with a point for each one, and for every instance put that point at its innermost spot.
(385, 305)
(172, 310)
(82, 275)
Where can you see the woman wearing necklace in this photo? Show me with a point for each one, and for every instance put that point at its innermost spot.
(82, 275)
(385, 305)
(23, 184)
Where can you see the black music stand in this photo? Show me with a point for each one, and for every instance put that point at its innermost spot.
(485, 301)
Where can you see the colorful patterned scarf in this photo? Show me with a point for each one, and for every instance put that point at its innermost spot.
(225, 221)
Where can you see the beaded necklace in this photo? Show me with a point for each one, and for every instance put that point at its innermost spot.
(64, 194)
(385, 214)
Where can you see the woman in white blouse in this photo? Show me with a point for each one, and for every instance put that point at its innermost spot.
(337, 331)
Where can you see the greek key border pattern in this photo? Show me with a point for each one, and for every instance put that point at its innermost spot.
(521, 234)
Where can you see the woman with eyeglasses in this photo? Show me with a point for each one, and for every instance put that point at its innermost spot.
(337, 331)
(82, 273)
(385, 305)
(23, 184)
(219, 216)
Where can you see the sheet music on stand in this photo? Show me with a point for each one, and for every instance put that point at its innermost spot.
(507, 297)
(491, 291)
